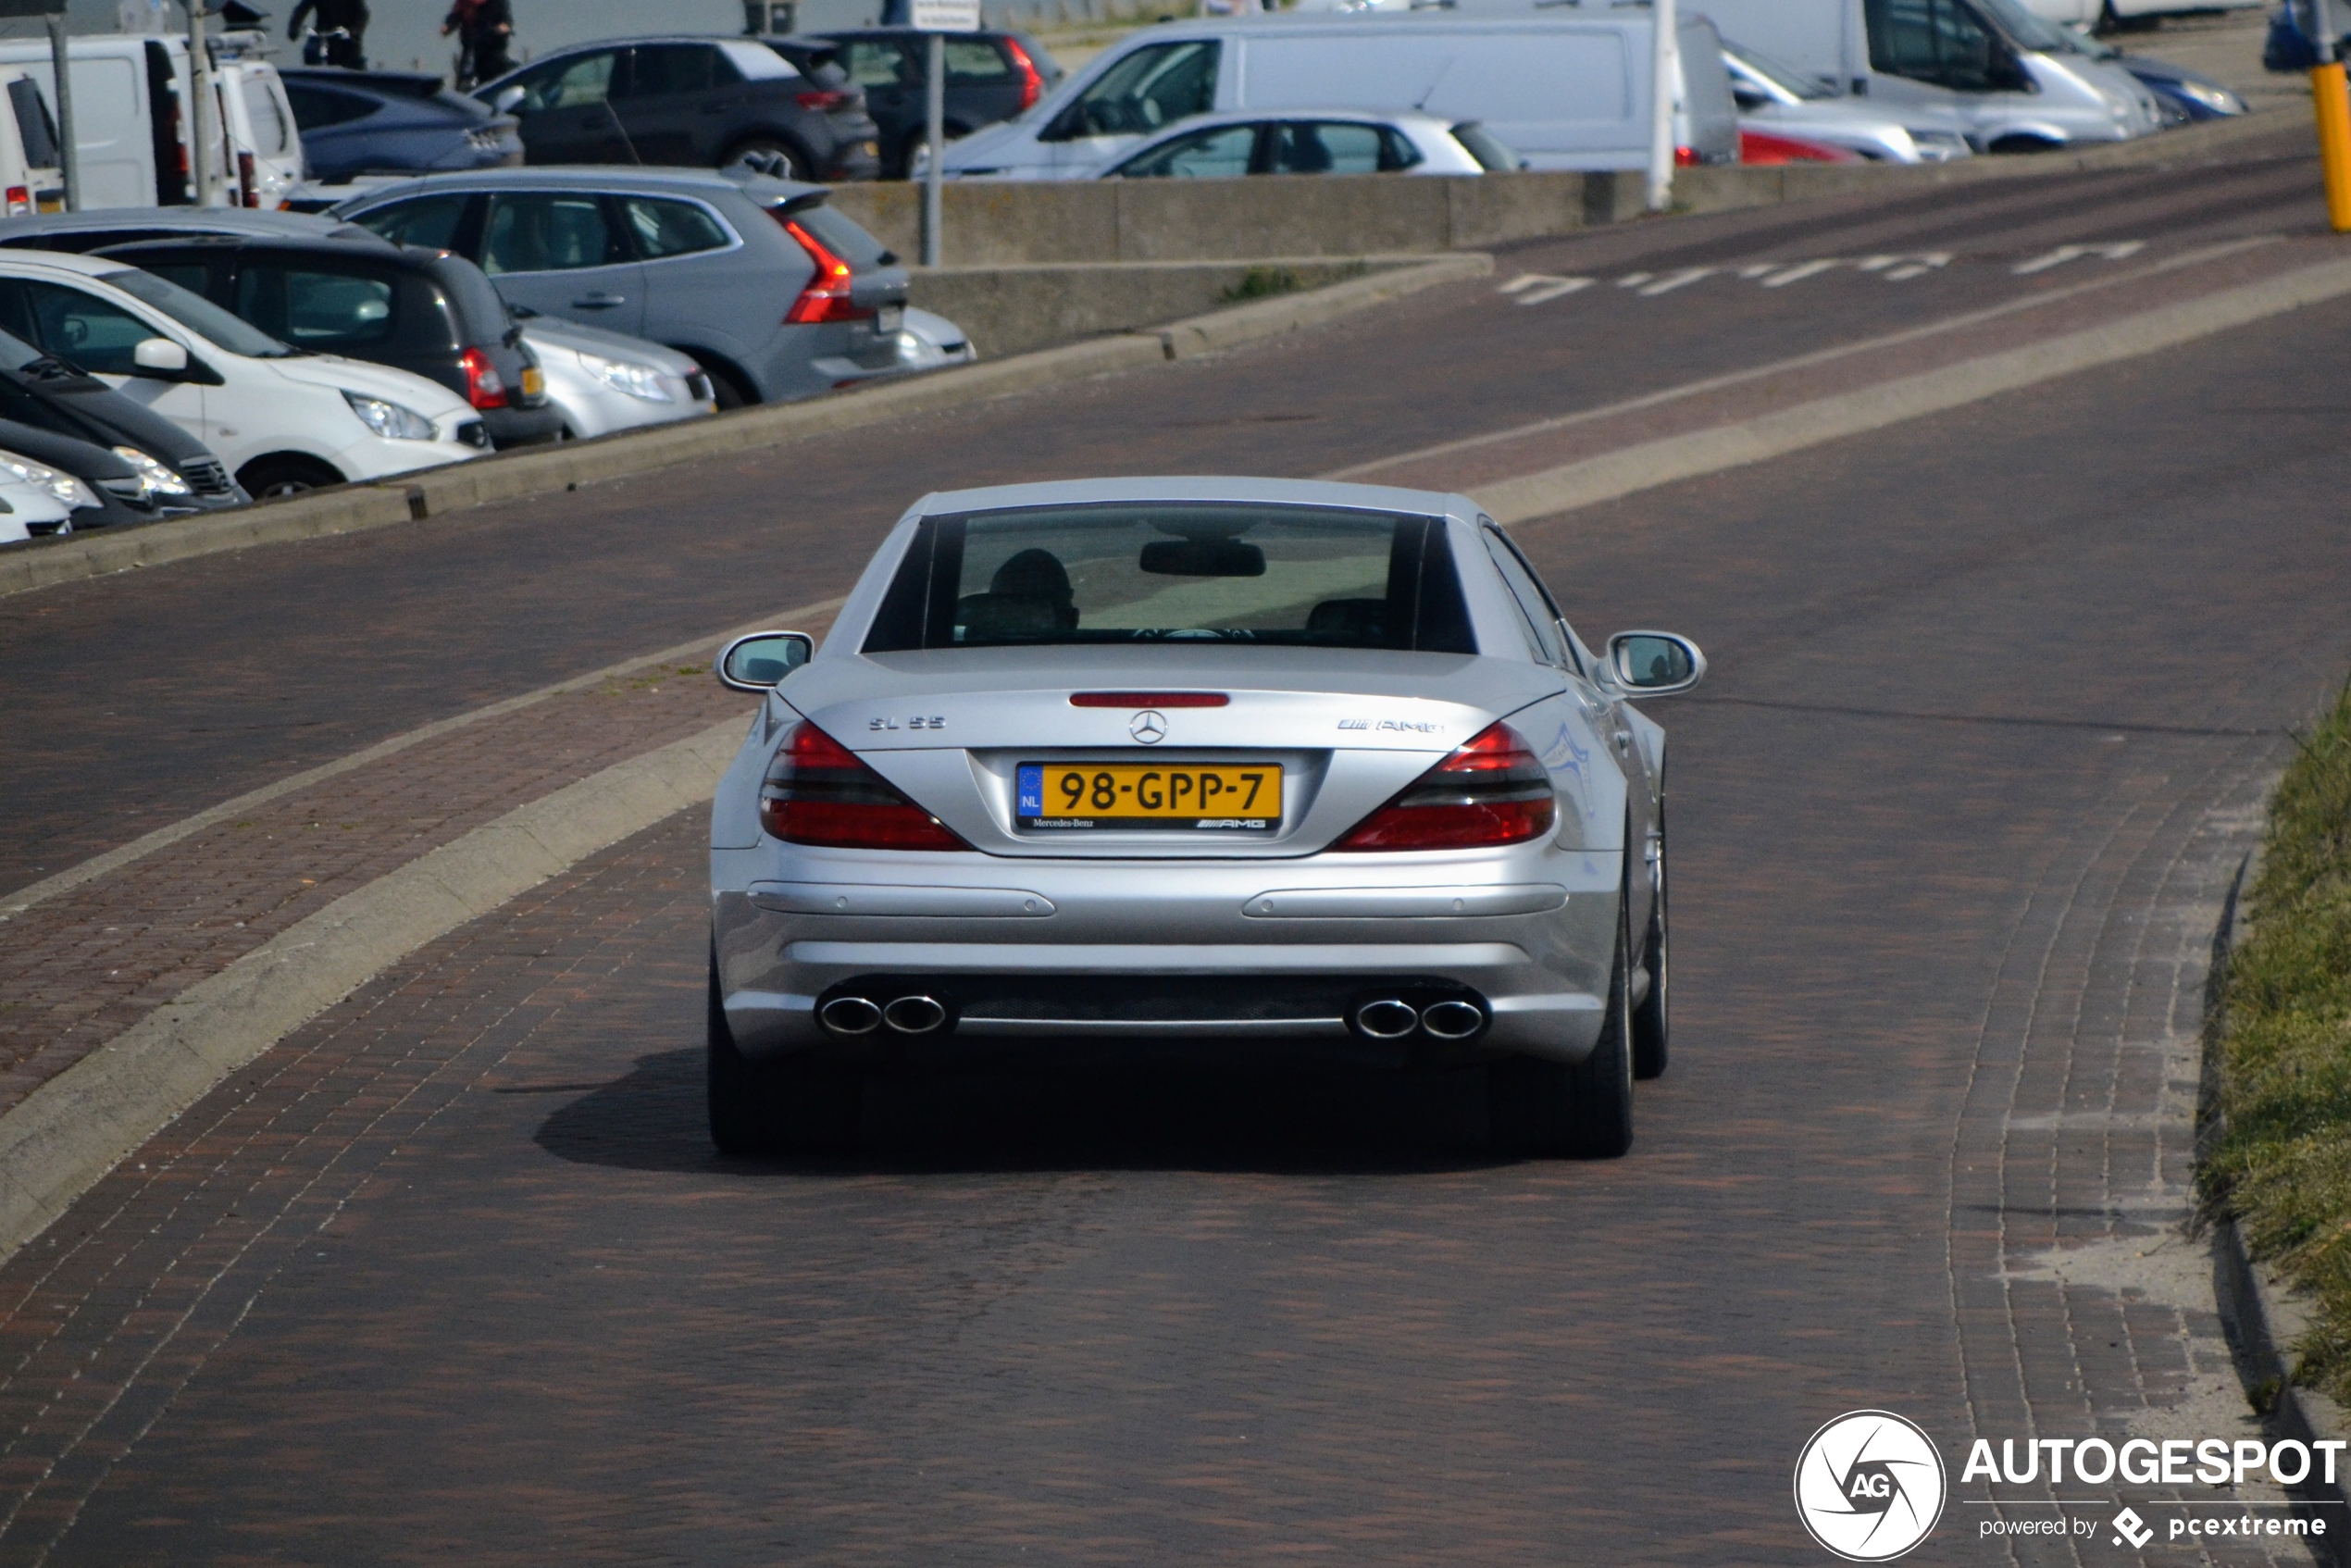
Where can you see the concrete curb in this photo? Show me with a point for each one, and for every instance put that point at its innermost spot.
(2261, 1319)
(437, 491)
(69, 1132)
(1620, 473)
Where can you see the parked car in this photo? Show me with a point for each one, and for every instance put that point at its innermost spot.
(31, 179)
(927, 341)
(284, 420)
(2186, 95)
(1313, 142)
(990, 77)
(2010, 81)
(423, 311)
(98, 488)
(775, 293)
(181, 473)
(1778, 100)
(81, 232)
(358, 122)
(1566, 92)
(691, 102)
(264, 151)
(2129, 16)
(27, 507)
(601, 381)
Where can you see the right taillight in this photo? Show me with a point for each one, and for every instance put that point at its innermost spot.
(1032, 82)
(818, 793)
(1492, 790)
(827, 297)
(484, 387)
(19, 200)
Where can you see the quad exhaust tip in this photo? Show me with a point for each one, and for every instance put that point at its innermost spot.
(1452, 1020)
(850, 1016)
(914, 1014)
(1388, 1019)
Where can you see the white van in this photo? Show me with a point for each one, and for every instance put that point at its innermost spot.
(2015, 82)
(1566, 92)
(131, 120)
(30, 178)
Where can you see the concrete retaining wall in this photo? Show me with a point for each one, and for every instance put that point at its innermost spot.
(1013, 309)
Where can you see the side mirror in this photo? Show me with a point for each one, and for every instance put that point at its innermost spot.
(505, 103)
(1654, 664)
(160, 355)
(758, 662)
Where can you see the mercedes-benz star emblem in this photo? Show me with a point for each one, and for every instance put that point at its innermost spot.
(1148, 726)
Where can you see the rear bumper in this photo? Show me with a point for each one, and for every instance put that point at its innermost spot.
(1263, 951)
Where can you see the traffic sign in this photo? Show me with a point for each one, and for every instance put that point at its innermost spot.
(946, 15)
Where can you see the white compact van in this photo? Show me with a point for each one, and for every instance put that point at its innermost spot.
(30, 178)
(2015, 82)
(1566, 92)
(131, 120)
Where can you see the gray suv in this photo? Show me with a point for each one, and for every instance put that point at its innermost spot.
(776, 294)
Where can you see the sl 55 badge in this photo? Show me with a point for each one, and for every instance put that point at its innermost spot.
(917, 722)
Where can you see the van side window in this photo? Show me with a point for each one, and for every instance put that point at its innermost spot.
(1154, 86)
(1935, 40)
(34, 126)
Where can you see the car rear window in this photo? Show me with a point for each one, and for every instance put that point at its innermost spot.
(1485, 147)
(1179, 573)
(841, 235)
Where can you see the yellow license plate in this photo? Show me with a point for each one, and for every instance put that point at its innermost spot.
(1185, 796)
(534, 381)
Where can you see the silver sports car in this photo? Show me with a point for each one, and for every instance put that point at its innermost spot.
(1262, 762)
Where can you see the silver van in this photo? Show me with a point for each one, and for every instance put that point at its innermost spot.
(2016, 83)
(1566, 92)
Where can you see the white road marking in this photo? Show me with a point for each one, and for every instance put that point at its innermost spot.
(1674, 281)
(1534, 288)
(1634, 279)
(2119, 251)
(1917, 266)
(1800, 272)
(1760, 269)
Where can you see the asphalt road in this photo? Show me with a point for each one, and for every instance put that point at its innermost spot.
(452, 1275)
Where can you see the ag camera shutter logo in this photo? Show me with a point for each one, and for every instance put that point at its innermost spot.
(1869, 1486)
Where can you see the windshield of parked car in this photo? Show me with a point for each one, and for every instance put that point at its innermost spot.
(1780, 74)
(2028, 29)
(199, 315)
(1167, 572)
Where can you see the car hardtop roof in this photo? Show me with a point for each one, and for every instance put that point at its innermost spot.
(357, 242)
(66, 261)
(808, 40)
(613, 177)
(1239, 117)
(1189, 488)
(248, 220)
(418, 84)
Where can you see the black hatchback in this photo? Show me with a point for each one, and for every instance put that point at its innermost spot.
(692, 103)
(177, 472)
(419, 310)
(990, 76)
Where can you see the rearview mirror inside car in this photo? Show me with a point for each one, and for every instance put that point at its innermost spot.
(1203, 557)
(758, 662)
(161, 356)
(1654, 664)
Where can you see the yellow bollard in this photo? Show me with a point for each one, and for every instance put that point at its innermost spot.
(2331, 97)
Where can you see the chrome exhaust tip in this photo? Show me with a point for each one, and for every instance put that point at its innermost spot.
(850, 1015)
(1390, 1019)
(1452, 1020)
(914, 1014)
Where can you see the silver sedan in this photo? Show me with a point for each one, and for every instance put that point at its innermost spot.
(1265, 762)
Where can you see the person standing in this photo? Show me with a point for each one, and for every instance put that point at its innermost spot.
(484, 29)
(342, 24)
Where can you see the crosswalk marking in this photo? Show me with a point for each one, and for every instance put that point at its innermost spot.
(1534, 288)
(1890, 267)
(1674, 281)
(1800, 272)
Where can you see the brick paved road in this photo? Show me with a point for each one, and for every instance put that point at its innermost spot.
(452, 1275)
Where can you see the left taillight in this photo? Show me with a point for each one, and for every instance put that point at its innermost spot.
(826, 297)
(824, 100)
(484, 387)
(19, 200)
(1687, 157)
(1032, 82)
(818, 793)
(1492, 790)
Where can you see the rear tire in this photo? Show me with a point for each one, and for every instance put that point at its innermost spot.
(1651, 1025)
(1584, 1112)
(795, 1106)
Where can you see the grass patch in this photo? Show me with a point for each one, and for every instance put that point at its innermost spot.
(2282, 1165)
(1263, 282)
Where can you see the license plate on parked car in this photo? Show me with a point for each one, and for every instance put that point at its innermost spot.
(1118, 795)
(892, 318)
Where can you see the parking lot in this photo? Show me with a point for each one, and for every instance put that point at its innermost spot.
(452, 1272)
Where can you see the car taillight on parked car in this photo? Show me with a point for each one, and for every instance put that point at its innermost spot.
(818, 793)
(827, 297)
(1493, 790)
(484, 387)
(824, 100)
(1032, 82)
(19, 200)
(249, 191)
(1687, 157)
